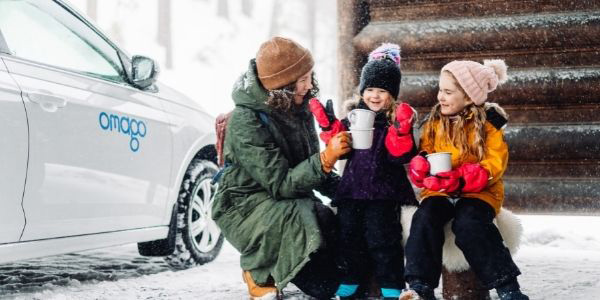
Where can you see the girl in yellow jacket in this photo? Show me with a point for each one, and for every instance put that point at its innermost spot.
(472, 193)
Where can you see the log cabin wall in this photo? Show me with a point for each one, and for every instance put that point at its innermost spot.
(552, 94)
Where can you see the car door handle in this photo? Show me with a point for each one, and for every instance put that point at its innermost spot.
(48, 102)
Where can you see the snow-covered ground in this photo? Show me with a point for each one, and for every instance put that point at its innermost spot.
(559, 258)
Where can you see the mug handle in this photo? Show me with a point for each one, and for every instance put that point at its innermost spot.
(351, 117)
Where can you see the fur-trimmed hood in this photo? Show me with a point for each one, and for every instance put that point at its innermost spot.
(496, 115)
(354, 103)
(490, 105)
(349, 105)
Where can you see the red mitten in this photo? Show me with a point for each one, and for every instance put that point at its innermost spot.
(404, 118)
(317, 109)
(397, 144)
(474, 176)
(443, 182)
(330, 125)
(418, 169)
(397, 140)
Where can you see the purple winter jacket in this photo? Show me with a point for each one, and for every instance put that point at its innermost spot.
(374, 174)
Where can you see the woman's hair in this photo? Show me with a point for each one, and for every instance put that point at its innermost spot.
(282, 98)
(453, 131)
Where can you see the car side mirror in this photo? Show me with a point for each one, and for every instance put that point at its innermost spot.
(144, 71)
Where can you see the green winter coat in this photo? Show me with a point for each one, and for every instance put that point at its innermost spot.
(265, 202)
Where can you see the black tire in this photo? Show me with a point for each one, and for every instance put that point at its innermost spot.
(198, 240)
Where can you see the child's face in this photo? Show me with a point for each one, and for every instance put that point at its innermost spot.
(303, 85)
(376, 98)
(452, 99)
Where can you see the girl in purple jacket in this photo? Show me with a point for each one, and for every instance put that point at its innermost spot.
(374, 183)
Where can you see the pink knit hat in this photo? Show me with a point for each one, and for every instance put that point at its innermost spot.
(476, 79)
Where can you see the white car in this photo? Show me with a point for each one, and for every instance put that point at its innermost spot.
(93, 151)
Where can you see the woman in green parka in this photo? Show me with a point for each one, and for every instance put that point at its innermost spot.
(265, 205)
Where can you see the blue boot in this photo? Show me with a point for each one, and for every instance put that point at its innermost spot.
(346, 290)
(390, 293)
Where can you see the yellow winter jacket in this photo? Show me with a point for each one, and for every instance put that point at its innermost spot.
(495, 161)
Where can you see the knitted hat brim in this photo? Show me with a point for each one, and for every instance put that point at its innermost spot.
(289, 74)
(466, 79)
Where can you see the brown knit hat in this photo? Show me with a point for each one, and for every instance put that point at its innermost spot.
(281, 61)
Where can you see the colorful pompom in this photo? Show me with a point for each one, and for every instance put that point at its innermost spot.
(386, 50)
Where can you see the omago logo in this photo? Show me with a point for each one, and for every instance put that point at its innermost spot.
(124, 125)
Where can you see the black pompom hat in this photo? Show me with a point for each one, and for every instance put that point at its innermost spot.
(382, 70)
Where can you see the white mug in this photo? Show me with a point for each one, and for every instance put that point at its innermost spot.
(361, 119)
(439, 162)
(361, 138)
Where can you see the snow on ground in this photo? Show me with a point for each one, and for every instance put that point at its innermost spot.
(220, 279)
(559, 258)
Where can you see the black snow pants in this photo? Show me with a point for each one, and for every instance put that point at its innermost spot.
(370, 240)
(319, 278)
(476, 235)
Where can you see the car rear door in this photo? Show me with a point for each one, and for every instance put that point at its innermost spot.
(13, 154)
(100, 150)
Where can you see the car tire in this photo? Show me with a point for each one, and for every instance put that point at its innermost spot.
(198, 240)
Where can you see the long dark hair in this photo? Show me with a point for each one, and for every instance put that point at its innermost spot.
(282, 98)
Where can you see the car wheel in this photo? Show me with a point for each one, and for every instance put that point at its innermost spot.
(198, 239)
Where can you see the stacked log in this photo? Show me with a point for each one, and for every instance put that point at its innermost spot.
(552, 49)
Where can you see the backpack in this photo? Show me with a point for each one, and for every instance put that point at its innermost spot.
(220, 128)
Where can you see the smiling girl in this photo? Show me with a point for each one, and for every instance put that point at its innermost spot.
(374, 183)
(472, 193)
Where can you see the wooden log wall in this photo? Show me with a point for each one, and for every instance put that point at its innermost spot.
(552, 49)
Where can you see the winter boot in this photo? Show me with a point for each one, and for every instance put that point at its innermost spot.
(258, 292)
(408, 294)
(345, 291)
(511, 291)
(390, 294)
(417, 291)
(512, 295)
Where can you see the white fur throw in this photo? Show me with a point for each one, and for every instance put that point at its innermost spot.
(452, 258)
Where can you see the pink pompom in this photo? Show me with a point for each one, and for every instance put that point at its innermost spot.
(386, 50)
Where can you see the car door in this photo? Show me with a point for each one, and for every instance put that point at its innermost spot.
(13, 154)
(100, 150)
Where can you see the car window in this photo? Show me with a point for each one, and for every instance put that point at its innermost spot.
(43, 31)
